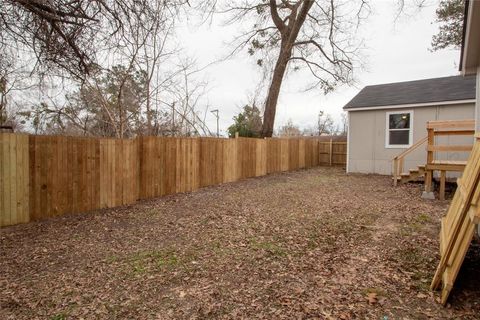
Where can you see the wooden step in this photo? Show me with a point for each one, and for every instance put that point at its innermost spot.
(412, 175)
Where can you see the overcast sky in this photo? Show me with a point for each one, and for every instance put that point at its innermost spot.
(395, 51)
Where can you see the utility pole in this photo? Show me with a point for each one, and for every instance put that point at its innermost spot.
(215, 112)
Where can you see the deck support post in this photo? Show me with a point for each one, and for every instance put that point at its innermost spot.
(443, 175)
(428, 193)
(428, 181)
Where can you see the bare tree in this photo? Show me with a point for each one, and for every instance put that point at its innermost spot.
(289, 130)
(107, 104)
(325, 123)
(127, 73)
(113, 104)
(318, 36)
(68, 35)
(13, 78)
(187, 95)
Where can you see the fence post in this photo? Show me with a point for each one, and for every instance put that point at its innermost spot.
(236, 134)
(331, 152)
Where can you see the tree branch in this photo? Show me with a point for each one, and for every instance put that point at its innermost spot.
(276, 17)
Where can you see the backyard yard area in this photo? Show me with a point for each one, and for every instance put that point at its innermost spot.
(308, 244)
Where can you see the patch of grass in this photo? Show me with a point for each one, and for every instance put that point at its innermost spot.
(169, 259)
(407, 229)
(404, 231)
(59, 316)
(417, 224)
(218, 248)
(313, 241)
(113, 258)
(271, 248)
(205, 220)
(415, 261)
(76, 237)
(421, 280)
(411, 256)
(367, 217)
(156, 260)
(423, 218)
(319, 238)
(138, 267)
(325, 232)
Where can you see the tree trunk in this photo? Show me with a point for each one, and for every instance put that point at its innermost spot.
(274, 92)
(289, 34)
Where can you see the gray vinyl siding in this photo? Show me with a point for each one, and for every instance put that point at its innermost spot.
(367, 133)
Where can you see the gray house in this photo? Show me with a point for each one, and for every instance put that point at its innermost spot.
(386, 119)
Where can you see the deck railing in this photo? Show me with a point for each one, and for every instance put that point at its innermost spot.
(399, 161)
(448, 128)
(445, 128)
(438, 128)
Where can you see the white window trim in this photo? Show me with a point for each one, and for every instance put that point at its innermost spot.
(387, 131)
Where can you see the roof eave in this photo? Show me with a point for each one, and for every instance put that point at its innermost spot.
(410, 105)
(470, 52)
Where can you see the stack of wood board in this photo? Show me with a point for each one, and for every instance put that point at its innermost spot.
(458, 226)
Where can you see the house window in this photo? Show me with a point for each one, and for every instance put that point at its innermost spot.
(399, 129)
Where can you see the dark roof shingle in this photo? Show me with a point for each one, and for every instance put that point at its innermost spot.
(415, 92)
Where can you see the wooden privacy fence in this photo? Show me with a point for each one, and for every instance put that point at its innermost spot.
(333, 153)
(44, 176)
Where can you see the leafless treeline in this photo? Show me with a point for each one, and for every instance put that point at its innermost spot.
(98, 67)
(126, 75)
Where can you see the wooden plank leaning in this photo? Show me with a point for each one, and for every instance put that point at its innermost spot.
(458, 225)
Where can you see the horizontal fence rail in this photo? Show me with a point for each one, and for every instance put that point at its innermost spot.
(45, 176)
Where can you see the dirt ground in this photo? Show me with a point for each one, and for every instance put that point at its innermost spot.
(313, 244)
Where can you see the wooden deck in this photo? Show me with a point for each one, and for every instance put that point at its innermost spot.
(435, 129)
(445, 128)
(447, 165)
